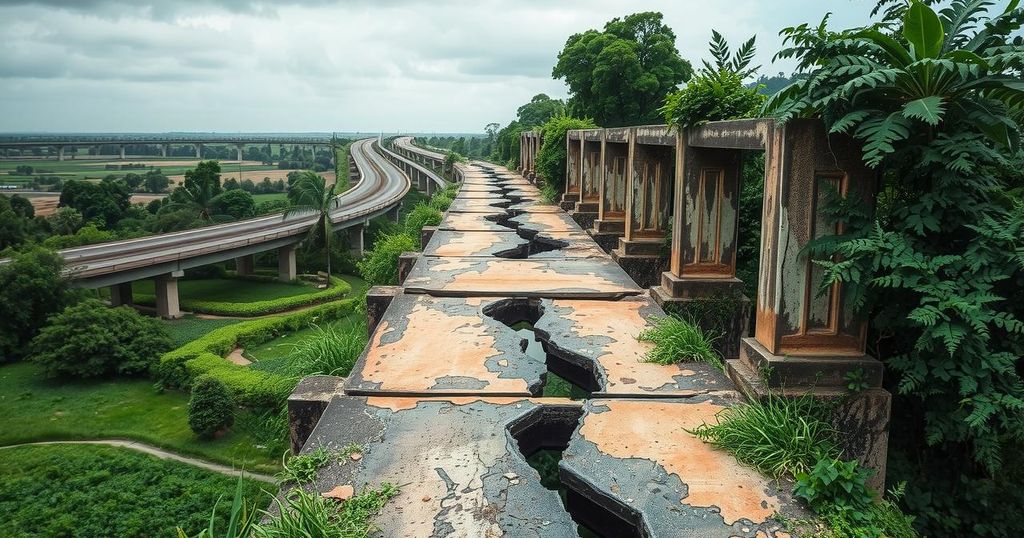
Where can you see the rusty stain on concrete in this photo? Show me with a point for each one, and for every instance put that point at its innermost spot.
(655, 430)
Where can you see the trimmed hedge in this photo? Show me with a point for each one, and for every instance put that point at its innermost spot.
(339, 288)
(249, 387)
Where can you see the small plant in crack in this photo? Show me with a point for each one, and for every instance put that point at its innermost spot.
(350, 450)
(302, 469)
(678, 340)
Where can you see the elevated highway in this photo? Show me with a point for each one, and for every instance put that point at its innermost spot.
(164, 142)
(164, 257)
(423, 176)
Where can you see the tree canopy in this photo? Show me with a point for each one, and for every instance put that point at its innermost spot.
(621, 75)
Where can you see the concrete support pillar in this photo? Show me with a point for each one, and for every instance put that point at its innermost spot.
(199, 151)
(121, 294)
(241, 152)
(394, 212)
(120, 149)
(431, 186)
(60, 153)
(163, 150)
(166, 287)
(286, 271)
(244, 265)
(355, 240)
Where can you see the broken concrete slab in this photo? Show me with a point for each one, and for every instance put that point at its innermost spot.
(636, 459)
(474, 244)
(432, 345)
(477, 277)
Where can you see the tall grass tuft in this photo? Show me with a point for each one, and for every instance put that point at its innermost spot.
(331, 351)
(677, 340)
(309, 514)
(776, 435)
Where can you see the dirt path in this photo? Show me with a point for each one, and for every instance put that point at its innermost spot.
(236, 357)
(160, 453)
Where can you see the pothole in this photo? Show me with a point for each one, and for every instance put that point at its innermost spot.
(563, 379)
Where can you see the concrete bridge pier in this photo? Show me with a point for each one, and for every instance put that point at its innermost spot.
(244, 265)
(356, 240)
(430, 187)
(199, 151)
(286, 271)
(121, 294)
(120, 149)
(60, 153)
(163, 150)
(241, 152)
(166, 288)
(393, 213)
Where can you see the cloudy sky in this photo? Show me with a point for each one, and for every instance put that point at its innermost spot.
(320, 65)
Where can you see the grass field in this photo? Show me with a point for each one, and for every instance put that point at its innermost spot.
(268, 197)
(95, 169)
(230, 290)
(107, 491)
(188, 328)
(39, 410)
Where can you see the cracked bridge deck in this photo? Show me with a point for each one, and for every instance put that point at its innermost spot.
(509, 244)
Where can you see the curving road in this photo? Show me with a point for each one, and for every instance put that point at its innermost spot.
(380, 189)
(405, 143)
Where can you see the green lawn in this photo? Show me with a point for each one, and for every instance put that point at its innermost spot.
(36, 409)
(96, 168)
(188, 328)
(269, 197)
(230, 290)
(106, 491)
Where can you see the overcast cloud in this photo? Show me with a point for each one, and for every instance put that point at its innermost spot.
(319, 65)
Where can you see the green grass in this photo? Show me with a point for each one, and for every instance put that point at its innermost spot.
(677, 340)
(776, 435)
(283, 347)
(106, 491)
(39, 410)
(269, 197)
(188, 328)
(309, 514)
(229, 290)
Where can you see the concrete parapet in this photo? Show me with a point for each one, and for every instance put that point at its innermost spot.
(307, 403)
(378, 299)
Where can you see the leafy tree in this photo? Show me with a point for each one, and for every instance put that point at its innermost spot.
(936, 100)
(86, 235)
(14, 229)
(210, 409)
(620, 76)
(133, 180)
(380, 266)
(90, 339)
(156, 182)
(31, 288)
(65, 221)
(201, 186)
(551, 157)
(231, 184)
(105, 201)
(311, 195)
(539, 110)
(236, 203)
(22, 207)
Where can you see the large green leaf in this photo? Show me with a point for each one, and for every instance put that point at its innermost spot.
(927, 109)
(923, 29)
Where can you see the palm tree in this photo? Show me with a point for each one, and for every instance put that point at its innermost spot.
(311, 195)
(200, 187)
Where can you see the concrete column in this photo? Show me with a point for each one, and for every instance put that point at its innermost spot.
(60, 153)
(120, 148)
(244, 265)
(166, 287)
(121, 294)
(199, 151)
(431, 186)
(286, 271)
(163, 150)
(241, 152)
(355, 240)
(394, 211)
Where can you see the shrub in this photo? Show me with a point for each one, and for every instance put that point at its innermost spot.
(441, 202)
(551, 157)
(420, 216)
(776, 435)
(380, 266)
(712, 96)
(309, 514)
(250, 387)
(92, 340)
(676, 340)
(210, 408)
(338, 289)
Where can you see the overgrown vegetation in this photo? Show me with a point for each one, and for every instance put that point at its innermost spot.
(380, 266)
(552, 155)
(677, 340)
(248, 297)
(105, 491)
(308, 514)
(332, 351)
(90, 339)
(302, 468)
(31, 289)
(936, 99)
